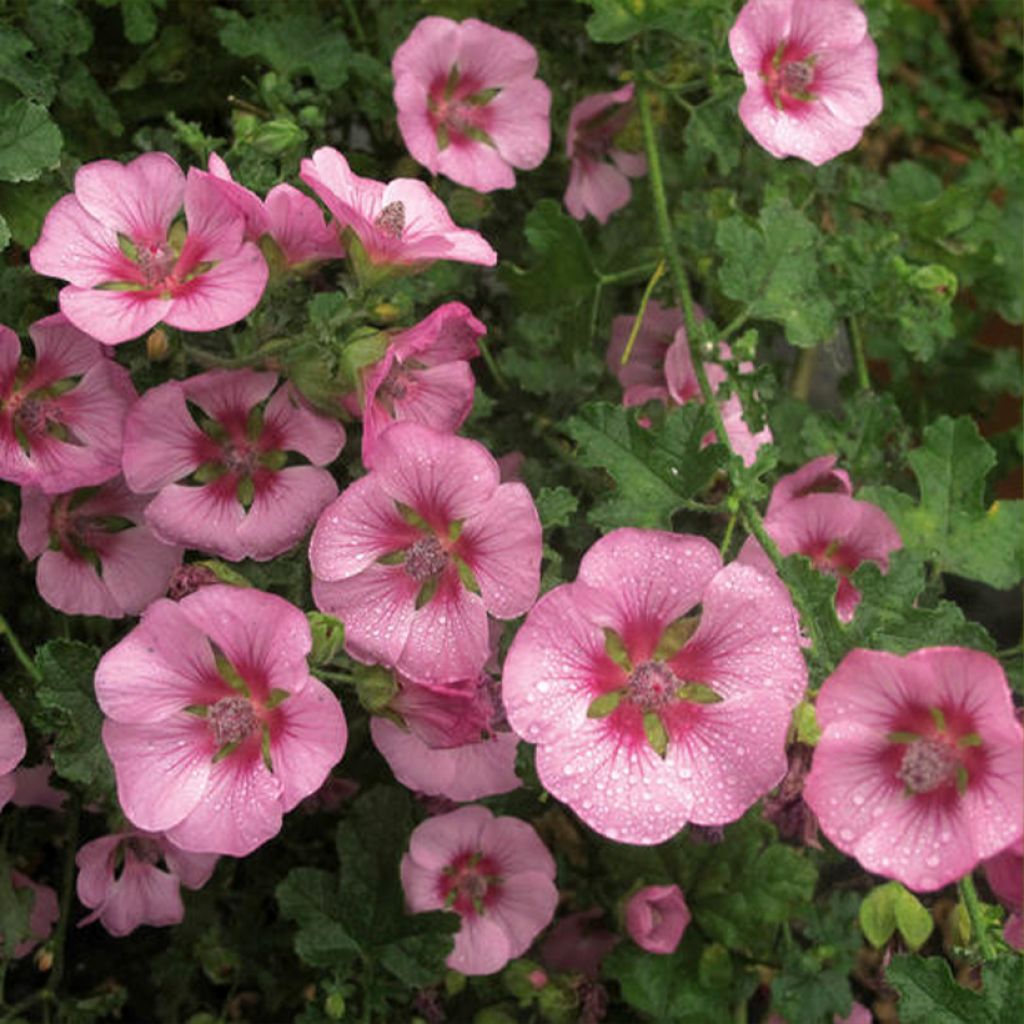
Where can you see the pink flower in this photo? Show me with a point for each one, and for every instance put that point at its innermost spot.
(12, 749)
(120, 881)
(660, 369)
(656, 917)
(645, 716)
(61, 415)
(214, 725)
(413, 556)
(44, 913)
(469, 106)
(423, 376)
(819, 476)
(289, 218)
(919, 771)
(32, 788)
(836, 532)
(578, 943)
(495, 873)
(811, 72)
(95, 556)
(229, 483)
(1005, 874)
(128, 266)
(399, 225)
(595, 185)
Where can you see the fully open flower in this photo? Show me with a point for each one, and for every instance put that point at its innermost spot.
(469, 106)
(412, 556)
(120, 880)
(811, 72)
(214, 725)
(918, 773)
(12, 749)
(595, 185)
(131, 266)
(647, 715)
(61, 414)
(399, 225)
(226, 473)
(656, 917)
(495, 873)
(423, 376)
(836, 532)
(95, 555)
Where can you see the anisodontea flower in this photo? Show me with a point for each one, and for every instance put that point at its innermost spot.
(222, 453)
(401, 225)
(647, 714)
(96, 556)
(656, 917)
(495, 873)
(918, 773)
(131, 265)
(423, 376)
(1005, 874)
(811, 72)
(836, 532)
(413, 556)
(597, 186)
(12, 749)
(61, 413)
(469, 104)
(819, 476)
(120, 879)
(214, 725)
(43, 916)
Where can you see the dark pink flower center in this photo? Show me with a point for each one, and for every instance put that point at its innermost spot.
(796, 76)
(789, 75)
(396, 384)
(32, 415)
(425, 559)
(156, 262)
(928, 764)
(391, 220)
(470, 884)
(239, 458)
(231, 719)
(652, 686)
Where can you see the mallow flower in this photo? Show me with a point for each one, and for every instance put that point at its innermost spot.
(919, 773)
(656, 917)
(495, 873)
(214, 725)
(647, 712)
(12, 749)
(469, 104)
(131, 264)
(811, 72)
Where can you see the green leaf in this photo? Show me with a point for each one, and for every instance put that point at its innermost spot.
(772, 267)
(655, 469)
(949, 524)
(69, 709)
(306, 896)
(562, 271)
(31, 78)
(15, 911)
(555, 506)
(30, 142)
(877, 914)
(615, 21)
(139, 19)
(912, 919)
(930, 995)
(5, 234)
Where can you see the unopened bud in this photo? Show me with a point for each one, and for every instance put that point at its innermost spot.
(158, 346)
(328, 637)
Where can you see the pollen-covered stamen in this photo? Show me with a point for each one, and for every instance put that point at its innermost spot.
(652, 686)
(239, 460)
(231, 719)
(468, 882)
(391, 220)
(395, 385)
(928, 764)
(156, 262)
(32, 416)
(796, 76)
(425, 559)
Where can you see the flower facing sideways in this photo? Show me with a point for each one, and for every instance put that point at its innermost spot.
(918, 773)
(495, 873)
(656, 917)
(214, 725)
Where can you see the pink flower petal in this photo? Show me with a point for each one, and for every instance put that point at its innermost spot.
(137, 568)
(525, 907)
(297, 225)
(493, 56)
(295, 427)
(12, 738)
(482, 946)
(215, 228)
(71, 585)
(162, 442)
(113, 316)
(221, 296)
(436, 842)
(198, 517)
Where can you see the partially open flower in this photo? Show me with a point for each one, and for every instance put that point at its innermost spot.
(656, 917)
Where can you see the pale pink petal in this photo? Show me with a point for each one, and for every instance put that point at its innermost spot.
(215, 228)
(429, 51)
(353, 200)
(244, 200)
(519, 122)
(284, 508)
(204, 517)
(757, 31)
(229, 395)
(599, 189)
(297, 225)
(525, 907)
(516, 847)
(819, 476)
(436, 842)
(656, 917)
(221, 296)
(481, 947)
(848, 84)
(633, 165)
(812, 133)
(113, 316)
(192, 869)
(12, 738)
(95, 862)
(142, 895)
(492, 56)
(448, 334)
(827, 25)
(992, 803)
(162, 442)
(34, 524)
(137, 568)
(289, 424)
(71, 585)
(62, 350)
(475, 165)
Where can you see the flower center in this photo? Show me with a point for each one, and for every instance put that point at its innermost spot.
(239, 459)
(31, 416)
(425, 559)
(231, 719)
(796, 76)
(469, 883)
(391, 220)
(652, 686)
(927, 765)
(395, 384)
(156, 262)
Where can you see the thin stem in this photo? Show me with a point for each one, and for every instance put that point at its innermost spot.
(19, 652)
(727, 539)
(751, 516)
(485, 351)
(860, 360)
(14, 1012)
(204, 358)
(805, 367)
(735, 324)
(637, 273)
(250, 108)
(979, 926)
(66, 889)
(357, 23)
(638, 320)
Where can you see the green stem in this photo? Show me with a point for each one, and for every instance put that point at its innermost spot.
(751, 516)
(735, 324)
(637, 273)
(485, 351)
(19, 652)
(204, 358)
(979, 926)
(15, 1012)
(727, 539)
(357, 23)
(638, 320)
(860, 360)
(66, 890)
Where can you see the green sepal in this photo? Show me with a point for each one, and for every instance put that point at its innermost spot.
(254, 423)
(394, 558)
(207, 472)
(427, 592)
(246, 491)
(265, 748)
(113, 524)
(211, 428)
(601, 707)
(230, 675)
(128, 247)
(328, 637)
(962, 779)
(199, 710)
(455, 529)
(375, 686)
(411, 516)
(277, 698)
(805, 724)
(971, 739)
(466, 574)
(226, 751)
(698, 693)
(276, 459)
(938, 718)
(656, 733)
(675, 636)
(616, 649)
(224, 572)
(902, 737)
(483, 97)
